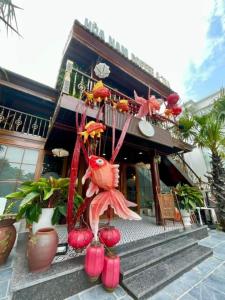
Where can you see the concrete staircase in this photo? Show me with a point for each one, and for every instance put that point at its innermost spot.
(149, 265)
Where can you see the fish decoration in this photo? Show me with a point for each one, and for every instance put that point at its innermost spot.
(104, 176)
(92, 129)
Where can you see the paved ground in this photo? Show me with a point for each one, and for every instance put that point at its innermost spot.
(204, 282)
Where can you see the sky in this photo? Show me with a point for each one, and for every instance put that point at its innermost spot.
(184, 40)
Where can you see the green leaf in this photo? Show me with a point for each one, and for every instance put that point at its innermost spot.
(62, 209)
(29, 197)
(56, 216)
(48, 193)
(15, 195)
(34, 212)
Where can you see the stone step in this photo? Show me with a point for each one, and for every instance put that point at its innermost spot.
(149, 281)
(141, 245)
(142, 260)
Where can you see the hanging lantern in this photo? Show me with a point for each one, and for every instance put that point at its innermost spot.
(172, 99)
(94, 261)
(80, 238)
(109, 236)
(101, 93)
(111, 272)
(176, 110)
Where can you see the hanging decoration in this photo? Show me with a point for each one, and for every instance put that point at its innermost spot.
(109, 236)
(122, 105)
(105, 176)
(100, 92)
(94, 261)
(80, 238)
(102, 70)
(111, 272)
(147, 107)
(172, 107)
(92, 129)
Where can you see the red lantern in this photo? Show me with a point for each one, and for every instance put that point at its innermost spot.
(111, 272)
(94, 261)
(101, 92)
(176, 110)
(109, 236)
(80, 237)
(172, 99)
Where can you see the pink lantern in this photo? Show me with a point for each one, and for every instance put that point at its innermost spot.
(94, 261)
(80, 238)
(111, 272)
(109, 236)
(172, 99)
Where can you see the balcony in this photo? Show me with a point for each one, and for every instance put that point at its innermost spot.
(20, 122)
(77, 82)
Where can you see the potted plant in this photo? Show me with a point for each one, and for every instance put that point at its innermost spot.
(43, 201)
(189, 198)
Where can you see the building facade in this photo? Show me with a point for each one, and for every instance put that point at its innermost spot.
(35, 119)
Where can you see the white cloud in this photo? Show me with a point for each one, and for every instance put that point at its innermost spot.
(168, 35)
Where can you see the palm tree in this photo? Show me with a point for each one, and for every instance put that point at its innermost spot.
(8, 16)
(208, 131)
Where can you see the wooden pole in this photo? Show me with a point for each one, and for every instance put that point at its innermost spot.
(155, 187)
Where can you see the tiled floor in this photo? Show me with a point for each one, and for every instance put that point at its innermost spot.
(130, 231)
(204, 282)
(5, 277)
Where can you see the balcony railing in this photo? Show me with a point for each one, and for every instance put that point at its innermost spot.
(18, 121)
(77, 82)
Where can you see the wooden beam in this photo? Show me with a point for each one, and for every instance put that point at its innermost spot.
(155, 187)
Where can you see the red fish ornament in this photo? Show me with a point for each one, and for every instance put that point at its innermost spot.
(92, 129)
(147, 107)
(105, 176)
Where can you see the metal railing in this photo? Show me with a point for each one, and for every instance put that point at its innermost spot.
(77, 82)
(185, 167)
(14, 120)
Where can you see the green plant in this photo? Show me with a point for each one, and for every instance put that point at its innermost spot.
(43, 193)
(8, 15)
(189, 197)
(207, 131)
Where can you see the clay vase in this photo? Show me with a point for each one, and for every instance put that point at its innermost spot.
(7, 238)
(41, 250)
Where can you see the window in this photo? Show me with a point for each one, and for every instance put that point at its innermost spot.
(16, 165)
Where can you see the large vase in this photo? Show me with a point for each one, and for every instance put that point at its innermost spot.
(7, 238)
(45, 220)
(41, 250)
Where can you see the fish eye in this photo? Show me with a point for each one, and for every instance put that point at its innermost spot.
(100, 161)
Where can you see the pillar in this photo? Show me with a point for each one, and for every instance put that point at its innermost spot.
(155, 186)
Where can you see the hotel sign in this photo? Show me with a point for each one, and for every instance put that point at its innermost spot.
(93, 27)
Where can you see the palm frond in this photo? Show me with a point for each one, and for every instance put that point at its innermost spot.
(8, 15)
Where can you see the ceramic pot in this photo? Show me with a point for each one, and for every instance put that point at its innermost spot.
(186, 217)
(41, 250)
(7, 238)
(45, 220)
